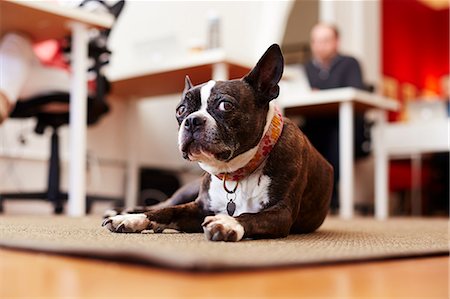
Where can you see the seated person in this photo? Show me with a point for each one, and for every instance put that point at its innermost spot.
(329, 69)
(23, 75)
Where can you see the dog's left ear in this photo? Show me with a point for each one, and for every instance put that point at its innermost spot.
(264, 77)
(187, 84)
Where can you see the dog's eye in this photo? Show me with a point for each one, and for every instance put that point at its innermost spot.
(181, 110)
(225, 106)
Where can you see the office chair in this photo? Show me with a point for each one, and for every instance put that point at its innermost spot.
(97, 107)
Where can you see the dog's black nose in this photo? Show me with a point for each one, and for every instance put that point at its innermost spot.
(194, 122)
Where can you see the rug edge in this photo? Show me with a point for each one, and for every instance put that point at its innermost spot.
(162, 261)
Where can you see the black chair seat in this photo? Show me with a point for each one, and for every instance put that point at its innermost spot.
(34, 107)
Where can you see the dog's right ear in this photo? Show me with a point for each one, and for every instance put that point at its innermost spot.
(264, 77)
(187, 84)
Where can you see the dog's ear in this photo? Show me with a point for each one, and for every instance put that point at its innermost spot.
(264, 77)
(187, 84)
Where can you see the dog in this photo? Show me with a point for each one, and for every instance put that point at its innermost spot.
(263, 177)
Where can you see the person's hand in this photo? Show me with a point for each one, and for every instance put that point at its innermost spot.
(4, 108)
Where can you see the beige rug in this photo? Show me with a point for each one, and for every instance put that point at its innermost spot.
(336, 241)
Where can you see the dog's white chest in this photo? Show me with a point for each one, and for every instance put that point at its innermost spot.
(251, 194)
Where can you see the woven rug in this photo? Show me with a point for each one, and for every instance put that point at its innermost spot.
(336, 241)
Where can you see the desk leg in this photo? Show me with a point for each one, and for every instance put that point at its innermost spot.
(381, 168)
(416, 197)
(132, 172)
(346, 157)
(78, 109)
(220, 72)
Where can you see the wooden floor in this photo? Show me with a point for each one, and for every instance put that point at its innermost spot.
(27, 275)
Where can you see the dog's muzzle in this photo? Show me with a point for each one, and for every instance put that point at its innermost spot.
(199, 140)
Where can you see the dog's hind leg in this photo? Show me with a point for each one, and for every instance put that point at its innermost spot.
(185, 194)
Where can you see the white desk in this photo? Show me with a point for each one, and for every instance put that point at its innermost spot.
(43, 20)
(406, 139)
(346, 101)
(166, 78)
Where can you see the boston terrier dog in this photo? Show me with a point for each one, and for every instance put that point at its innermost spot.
(263, 177)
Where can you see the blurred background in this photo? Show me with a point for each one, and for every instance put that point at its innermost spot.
(402, 47)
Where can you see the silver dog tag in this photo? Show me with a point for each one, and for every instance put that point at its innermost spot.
(231, 207)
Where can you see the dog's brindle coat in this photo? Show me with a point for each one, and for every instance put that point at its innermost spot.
(300, 179)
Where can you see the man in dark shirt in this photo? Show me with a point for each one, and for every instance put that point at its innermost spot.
(343, 71)
(329, 69)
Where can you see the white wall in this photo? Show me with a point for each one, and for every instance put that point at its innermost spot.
(157, 133)
(149, 32)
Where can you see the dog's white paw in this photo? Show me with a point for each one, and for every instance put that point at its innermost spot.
(110, 213)
(222, 228)
(131, 223)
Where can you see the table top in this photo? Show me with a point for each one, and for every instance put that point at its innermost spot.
(330, 97)
(52, 276)
(417, 137)
(43, 20)
(168, 77)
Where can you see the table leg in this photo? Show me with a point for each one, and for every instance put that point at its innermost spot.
(346, 157)
(132, 172)
(416, 197)
(220, 72)
(381, 168)
(78, 117)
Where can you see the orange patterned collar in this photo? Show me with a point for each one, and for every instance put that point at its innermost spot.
(265, 147)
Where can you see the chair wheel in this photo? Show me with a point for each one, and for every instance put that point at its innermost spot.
(88, 208)
(58, 209)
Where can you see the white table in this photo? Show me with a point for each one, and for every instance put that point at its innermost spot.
(346, 101)
(166, 78)
(43, 20)
(410, 139)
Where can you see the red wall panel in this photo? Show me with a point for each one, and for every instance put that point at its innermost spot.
(415, 41)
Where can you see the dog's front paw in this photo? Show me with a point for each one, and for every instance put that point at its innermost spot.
(222, 228)
(131, 223)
